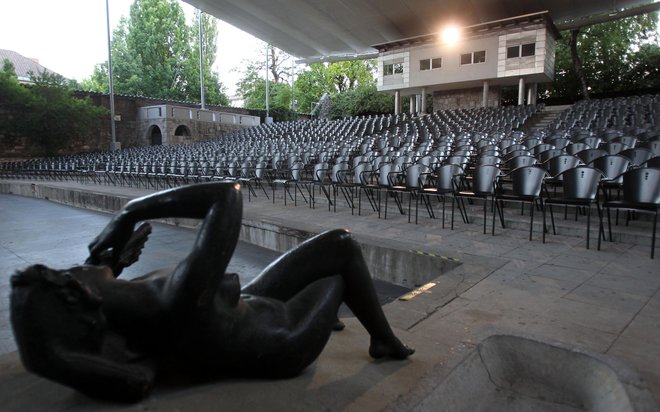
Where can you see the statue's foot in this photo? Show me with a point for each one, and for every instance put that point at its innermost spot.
(338, 325)
(392, 348)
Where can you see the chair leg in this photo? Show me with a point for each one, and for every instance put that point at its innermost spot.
(601, 230)
(544, 224)
(531, 220)
(588, 224)
(655, 224)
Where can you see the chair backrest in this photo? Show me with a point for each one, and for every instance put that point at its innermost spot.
(574, 148)
(637, 156)
(233, 169)
(260, 168)
(591, 141)
(613, 147)
(527, 180)
(652, 145)
(642, 186)
(611, 166)
(448, 178)
(335, 174)
(520, 161)
(590, 155)
(384, 170)
(414, 175)
(321, 171)
(558, 164)
(581, 183)
(483, 179)
(549, 154)
(559, 142)
(296, 170)
(542, 147)
(363, 173)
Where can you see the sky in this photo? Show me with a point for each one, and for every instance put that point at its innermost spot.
(70, 36)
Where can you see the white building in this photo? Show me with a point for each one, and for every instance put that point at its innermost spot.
(471, 72)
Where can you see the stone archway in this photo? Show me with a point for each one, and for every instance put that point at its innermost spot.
(182, 130)
(156, 136)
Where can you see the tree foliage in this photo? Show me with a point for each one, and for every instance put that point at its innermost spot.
(620, 55)
(361, 101)
(353, 78)
(45, 114)
(155, 54)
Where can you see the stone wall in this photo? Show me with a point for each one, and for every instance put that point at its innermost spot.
(129, 131)
(465, 98)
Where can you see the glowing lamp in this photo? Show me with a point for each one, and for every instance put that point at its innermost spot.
(451, 35)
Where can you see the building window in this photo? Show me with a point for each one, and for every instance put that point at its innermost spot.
(393, 68)
(512, 52)
(528, 49)
(521, 50)
(429, 64)
(474, 57)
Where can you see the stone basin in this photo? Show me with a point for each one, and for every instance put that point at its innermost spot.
(514, 373)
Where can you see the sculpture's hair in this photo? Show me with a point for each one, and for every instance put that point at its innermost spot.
(60, 282)
(33, 313)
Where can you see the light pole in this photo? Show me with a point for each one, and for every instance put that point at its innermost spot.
(201, 61)
(113, 145)
(267, 86)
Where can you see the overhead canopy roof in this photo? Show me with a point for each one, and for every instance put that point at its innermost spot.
(318, 30)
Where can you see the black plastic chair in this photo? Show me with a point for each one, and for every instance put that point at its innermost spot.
(612, 167)
(442, 183)
(408, 181)
(580, 189)
(482, 187)
(641, 192)
(526, 185)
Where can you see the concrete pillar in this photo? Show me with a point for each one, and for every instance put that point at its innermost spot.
(412, 103)
(531, 93)
(423, 102)
(397, 102)
(521, 92)
(484, 99)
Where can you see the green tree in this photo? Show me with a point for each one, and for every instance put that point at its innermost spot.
(310, 85)
(362, 100)
(355, 79)
(608, 53)
(155, 54)
(252, 85)
(45, 114)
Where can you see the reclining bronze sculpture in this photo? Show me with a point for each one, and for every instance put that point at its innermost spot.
(109, 338)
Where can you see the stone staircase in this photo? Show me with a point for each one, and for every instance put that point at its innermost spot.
(544, 118)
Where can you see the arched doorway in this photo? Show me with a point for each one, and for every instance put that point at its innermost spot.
(156, 136)
(182, 130)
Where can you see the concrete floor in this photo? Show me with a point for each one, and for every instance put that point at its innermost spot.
(605, 302)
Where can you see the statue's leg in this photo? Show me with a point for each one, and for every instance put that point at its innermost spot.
(311, 314)
(328, 254)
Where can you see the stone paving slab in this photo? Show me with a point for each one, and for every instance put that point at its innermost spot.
(602, 301)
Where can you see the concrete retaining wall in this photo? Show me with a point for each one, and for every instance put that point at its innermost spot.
(399, 266)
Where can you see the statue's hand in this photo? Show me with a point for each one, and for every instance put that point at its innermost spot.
(114, 236)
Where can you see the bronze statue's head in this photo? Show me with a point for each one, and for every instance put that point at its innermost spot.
(51, 309)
